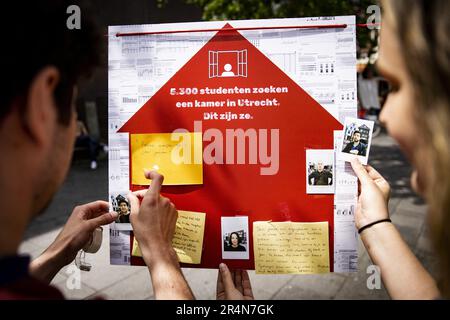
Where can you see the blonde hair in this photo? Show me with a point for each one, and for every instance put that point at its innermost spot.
(423, 32)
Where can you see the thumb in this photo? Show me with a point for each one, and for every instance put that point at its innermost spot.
(360, 171)
(227, 279)
(134, 203)
(103, 219)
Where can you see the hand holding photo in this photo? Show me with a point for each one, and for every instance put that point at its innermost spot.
(357, 140)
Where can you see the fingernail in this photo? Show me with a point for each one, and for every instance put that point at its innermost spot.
(222, 267)
(114, 214)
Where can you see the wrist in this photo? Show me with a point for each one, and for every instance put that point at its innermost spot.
(369, 225)
(375, 235)
(46, 266)
(363, 220)
(61, 252)
(55, 254)
(159, 253)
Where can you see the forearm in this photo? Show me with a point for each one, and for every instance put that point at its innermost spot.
(167, 279)
(52, 260)
(403, 275)
(46, 266)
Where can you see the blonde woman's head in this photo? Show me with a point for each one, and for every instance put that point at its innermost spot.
(415, 58)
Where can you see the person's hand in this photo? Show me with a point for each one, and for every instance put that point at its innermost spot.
(154, 220)
(77, 233)
(373, 196)
(80, 226)
(233, 285)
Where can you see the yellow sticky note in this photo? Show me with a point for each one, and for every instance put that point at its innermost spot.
(188, 238)
(291, 247)
(136, 251)
(177, 156)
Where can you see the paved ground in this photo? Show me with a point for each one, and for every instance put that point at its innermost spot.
(116, 282)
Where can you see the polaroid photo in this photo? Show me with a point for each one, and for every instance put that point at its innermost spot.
(357, 140)
(119, 203)
(320, 171)
(235, 242)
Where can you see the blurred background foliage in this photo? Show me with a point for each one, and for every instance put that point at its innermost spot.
(266, 9)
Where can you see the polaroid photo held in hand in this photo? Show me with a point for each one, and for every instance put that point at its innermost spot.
(357, 140)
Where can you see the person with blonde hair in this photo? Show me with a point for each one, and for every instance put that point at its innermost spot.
(415, 59)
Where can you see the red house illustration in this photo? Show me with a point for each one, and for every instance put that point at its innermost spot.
(240, 189)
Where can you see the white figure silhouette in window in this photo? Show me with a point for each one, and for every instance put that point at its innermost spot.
(228, 72)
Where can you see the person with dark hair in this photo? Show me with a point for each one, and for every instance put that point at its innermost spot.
(123, 210)
(355, 146)
(43, 64)
(234, 243)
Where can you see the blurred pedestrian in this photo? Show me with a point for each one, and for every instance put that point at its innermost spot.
(84, 140)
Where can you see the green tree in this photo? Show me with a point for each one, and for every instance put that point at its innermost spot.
(265, 9)
(261, 9)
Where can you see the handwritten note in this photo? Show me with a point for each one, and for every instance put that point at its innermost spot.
(177, 156)
(188, 238)
(291, 247)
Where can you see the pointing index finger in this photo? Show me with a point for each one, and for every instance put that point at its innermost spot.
(155, 185)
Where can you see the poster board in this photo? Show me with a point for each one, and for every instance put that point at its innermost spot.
(266, 96)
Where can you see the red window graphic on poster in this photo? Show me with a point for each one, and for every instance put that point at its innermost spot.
(231, 63)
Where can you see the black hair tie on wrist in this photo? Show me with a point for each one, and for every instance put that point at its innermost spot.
(372, 224)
